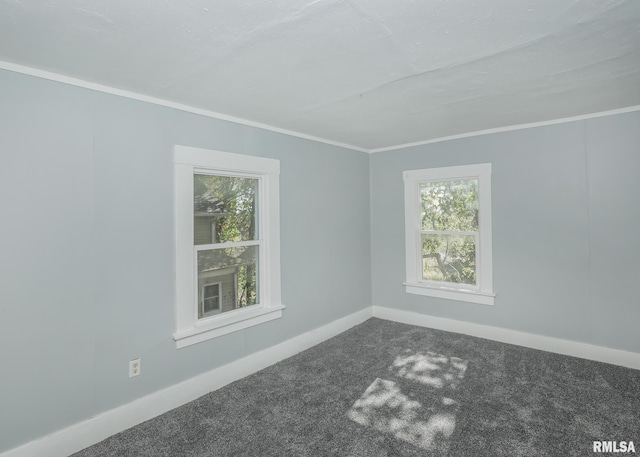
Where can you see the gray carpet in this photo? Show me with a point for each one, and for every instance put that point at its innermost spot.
(389, 389)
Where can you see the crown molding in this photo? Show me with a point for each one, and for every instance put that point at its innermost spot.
(52, 76)
(509, 128)
(30, 71)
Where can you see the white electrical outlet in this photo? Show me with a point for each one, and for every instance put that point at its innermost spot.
(134, 368)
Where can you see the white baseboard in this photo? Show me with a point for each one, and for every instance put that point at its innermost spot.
(81, 435)
(530, 340)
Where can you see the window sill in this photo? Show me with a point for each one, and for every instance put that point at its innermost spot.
(222, 325)
(471, 296)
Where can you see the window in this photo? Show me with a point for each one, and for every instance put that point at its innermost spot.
(210, 301)
(227, 243)
(448, 233)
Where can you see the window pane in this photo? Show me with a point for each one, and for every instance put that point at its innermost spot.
(236, 272)
(224, 209)
(449, 258)
(210, 299)
(449, 205)
(211, 291)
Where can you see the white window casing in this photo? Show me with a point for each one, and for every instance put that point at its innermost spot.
(482, 291)
(188, 161)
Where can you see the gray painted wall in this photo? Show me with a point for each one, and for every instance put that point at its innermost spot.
(566, 229)
(83, 175)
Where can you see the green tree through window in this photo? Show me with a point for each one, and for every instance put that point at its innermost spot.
(449, 230)
(230, 206)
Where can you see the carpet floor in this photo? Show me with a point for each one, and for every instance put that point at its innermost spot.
(389, 389)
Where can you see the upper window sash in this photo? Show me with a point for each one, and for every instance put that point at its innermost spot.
(259, 229)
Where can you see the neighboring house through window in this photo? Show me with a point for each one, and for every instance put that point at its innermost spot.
(448, 233)
(227, 242)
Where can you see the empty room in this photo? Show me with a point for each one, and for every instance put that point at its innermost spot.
(356, 228)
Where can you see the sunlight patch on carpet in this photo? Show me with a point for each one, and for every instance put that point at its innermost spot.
(429, 368)
(418, 407)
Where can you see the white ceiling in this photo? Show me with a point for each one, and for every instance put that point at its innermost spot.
(368, 73)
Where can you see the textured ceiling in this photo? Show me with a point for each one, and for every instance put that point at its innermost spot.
(369, 73)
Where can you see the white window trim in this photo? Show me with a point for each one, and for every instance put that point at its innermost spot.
(482, 293)
(189, 329)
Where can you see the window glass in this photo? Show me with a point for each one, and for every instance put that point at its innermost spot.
(449, 220)
(224, 209)
(236, 269)
(449, 205)
(449, 258)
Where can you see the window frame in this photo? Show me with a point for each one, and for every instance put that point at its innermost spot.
(482, 291)
(189, 161)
